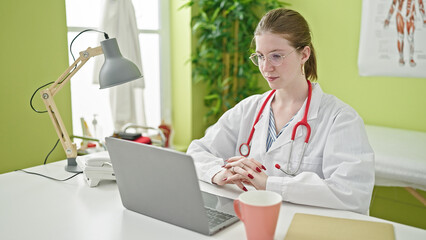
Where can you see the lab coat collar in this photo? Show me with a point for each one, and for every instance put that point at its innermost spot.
(317, 94)
(285, 136)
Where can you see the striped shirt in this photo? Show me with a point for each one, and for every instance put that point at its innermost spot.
(272, 133)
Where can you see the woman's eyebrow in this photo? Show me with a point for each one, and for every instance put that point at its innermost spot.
(275, 50)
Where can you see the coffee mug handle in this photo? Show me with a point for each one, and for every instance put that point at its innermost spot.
(237, 209)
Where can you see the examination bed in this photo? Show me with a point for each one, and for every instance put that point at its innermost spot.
(400, 158)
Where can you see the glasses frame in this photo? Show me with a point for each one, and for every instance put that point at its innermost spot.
(254, 55)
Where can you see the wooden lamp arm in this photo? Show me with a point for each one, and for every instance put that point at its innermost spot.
(48, 94)
(70, 71)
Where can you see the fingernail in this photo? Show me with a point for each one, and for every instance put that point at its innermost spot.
(250, 176)
(264, 168)
(245, 189)
(224, 179)
(258, 169)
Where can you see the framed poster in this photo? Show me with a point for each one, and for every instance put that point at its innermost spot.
(393, 38)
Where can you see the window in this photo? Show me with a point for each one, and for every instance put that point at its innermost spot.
(86, 98)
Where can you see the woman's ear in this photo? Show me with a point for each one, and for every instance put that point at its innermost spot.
(306, 53)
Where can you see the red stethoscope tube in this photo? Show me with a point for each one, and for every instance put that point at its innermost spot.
(244, 148)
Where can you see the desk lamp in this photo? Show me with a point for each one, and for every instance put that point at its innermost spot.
(116, 70)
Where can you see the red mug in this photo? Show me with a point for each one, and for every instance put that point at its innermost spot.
(259, 211)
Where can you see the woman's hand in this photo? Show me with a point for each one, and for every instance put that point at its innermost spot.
(246, 170)
(221, 178)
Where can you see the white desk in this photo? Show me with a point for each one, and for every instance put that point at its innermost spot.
(32, 207)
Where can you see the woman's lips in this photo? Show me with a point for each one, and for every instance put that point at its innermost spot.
(271, 79)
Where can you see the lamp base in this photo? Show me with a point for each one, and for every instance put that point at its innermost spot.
(72, 166)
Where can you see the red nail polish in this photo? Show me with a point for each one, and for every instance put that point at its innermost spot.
(264, 168)
(258, 169)
(250, 176)
(245, 189)
(224, 179)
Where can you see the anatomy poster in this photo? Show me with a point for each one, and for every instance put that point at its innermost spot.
(393, 38)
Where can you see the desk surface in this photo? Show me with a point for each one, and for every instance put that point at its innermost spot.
(32, 207)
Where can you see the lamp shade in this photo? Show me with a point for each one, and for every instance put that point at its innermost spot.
(116, 69)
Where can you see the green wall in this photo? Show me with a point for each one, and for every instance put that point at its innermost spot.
(33, 46)
(181, 74)
(398, 205)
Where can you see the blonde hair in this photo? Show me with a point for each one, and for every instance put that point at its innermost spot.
(293, 27)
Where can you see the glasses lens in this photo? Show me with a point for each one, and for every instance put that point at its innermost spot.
(275, 59)
(254, 59)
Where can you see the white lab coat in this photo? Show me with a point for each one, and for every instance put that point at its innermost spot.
(119, 21)
(338, 166)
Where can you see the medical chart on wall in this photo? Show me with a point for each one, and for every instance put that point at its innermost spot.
(393, 38)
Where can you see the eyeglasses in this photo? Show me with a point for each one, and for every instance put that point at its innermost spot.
(275, 59)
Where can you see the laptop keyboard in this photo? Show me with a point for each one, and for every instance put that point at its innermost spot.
(216, 217)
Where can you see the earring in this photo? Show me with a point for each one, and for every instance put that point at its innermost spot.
(303, 69)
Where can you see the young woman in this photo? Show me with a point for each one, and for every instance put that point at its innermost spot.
(330, 162)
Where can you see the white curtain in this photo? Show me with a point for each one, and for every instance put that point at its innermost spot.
(127, 101)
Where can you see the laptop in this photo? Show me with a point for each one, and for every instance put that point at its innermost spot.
(163, 184)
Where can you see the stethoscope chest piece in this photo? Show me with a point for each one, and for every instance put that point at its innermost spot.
(244, 150)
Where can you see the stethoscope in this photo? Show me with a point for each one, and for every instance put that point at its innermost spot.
(245, 147)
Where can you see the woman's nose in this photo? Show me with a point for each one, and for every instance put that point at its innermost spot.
(266, 66)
